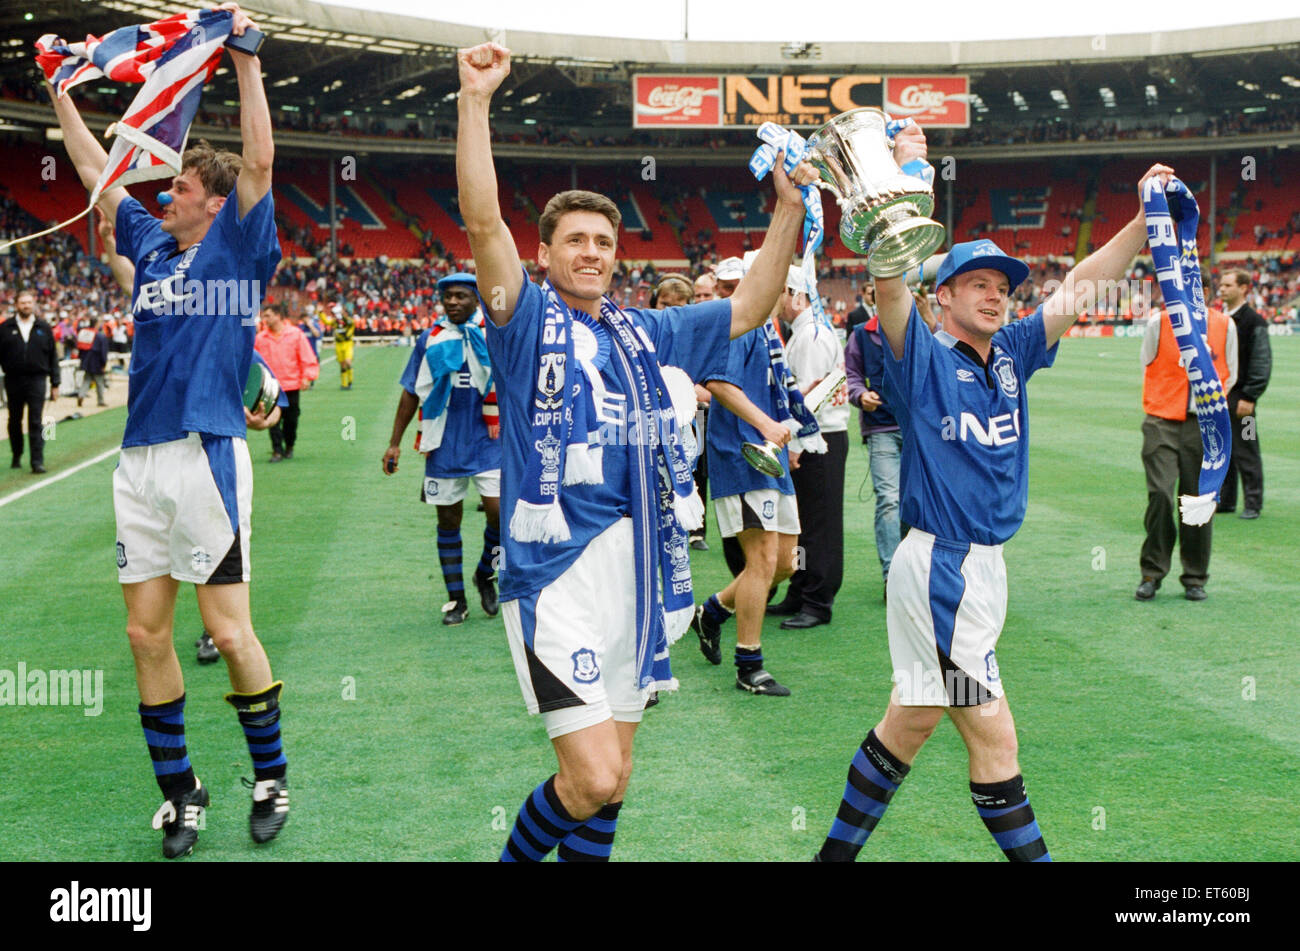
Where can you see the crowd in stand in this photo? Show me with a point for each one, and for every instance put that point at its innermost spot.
(385, 297)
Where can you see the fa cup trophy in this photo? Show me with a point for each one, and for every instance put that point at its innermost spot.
(884, 213)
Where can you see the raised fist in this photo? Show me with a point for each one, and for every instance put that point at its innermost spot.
(483, 68)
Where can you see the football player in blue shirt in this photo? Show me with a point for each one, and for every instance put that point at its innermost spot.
(182, 491)
(759, 511)
(448, 378)
(596, 492)
(963, 411)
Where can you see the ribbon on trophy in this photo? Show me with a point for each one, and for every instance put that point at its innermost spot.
(795, 148)
(1172, 218)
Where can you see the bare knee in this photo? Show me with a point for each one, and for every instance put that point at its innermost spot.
(232, 639)
(585, 790)
(147, 641)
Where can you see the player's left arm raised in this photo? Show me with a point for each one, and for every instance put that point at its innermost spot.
(1110, 262)
(254, 121)
(756, 294)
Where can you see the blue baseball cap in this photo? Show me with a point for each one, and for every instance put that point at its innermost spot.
(460, 277)
(974, 255)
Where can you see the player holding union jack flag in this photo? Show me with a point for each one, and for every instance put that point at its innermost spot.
(182, 491)
(173, 58)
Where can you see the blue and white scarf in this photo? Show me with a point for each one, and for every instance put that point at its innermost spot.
(788, 399)
(1171, 231)
(567, 451)
(447, 349)
(779, 139)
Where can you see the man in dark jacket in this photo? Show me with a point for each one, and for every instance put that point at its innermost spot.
(94, 360)
(28, 356)
(1255, 357)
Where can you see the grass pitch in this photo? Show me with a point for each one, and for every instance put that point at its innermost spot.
(1159, 731)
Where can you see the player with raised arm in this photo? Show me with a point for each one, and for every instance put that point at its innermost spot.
(596, 493)
(963, 411)
(182, 490)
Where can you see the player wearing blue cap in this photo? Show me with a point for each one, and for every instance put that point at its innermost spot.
(963, 412)
(182, 490)
(448, 379)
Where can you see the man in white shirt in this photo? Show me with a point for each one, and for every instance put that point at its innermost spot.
(813, 353)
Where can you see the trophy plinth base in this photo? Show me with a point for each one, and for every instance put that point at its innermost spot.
(903, 245)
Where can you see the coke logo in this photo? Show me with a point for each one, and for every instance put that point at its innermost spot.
(921, 97)
(676, 97)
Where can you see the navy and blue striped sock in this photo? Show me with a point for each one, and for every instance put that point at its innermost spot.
(491, 541)
(716, 612)
(749, 659)
(1006, 812)
(259, 715)
(542, 823)
(594, 839)
(164, 732)
(874, 777)
(449, 556)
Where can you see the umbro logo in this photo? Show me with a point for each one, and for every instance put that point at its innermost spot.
(965, 376)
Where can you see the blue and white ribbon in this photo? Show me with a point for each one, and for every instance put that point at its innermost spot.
(779, 139)
(1172, 218)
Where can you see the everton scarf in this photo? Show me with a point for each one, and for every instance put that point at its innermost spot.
(173, 58)
(567, 451)
(448, 348)
(788, 399)
(778, 139)
(1172, 218)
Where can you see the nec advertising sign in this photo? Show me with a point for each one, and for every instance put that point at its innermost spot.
(717, 101)
(938, 102)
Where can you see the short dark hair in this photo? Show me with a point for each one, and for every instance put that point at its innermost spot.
(1242, 276)
(575, 200)
(217, 169)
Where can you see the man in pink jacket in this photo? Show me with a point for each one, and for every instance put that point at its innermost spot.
(288, 352)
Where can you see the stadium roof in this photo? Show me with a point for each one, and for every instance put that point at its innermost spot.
(344, 61)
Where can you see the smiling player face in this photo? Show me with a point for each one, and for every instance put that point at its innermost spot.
(974, 303)
(580, 258)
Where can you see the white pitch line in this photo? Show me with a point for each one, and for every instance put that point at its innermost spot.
(14, 497)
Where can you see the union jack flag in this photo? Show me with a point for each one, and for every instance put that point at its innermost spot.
(173, 58)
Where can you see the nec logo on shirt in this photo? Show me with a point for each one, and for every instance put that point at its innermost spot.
(999, 431)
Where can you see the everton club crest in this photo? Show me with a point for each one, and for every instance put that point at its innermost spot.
(1004, 368)
(585, 670)
(550, 381)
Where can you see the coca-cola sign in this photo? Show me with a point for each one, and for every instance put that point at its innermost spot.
(934, 101)
(676, 101)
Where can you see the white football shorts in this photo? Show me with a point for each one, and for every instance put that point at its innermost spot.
(183, 509)
(767, 509)
(574, 642)
(445, 491)
(946, 607)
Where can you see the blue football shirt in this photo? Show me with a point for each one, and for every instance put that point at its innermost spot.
(965, 425)
(466, 449)
(749, 367)
(195, 320)
(692, 337)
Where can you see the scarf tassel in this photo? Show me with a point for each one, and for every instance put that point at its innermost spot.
(1197, 509)
(583, 464)
(539, 523)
